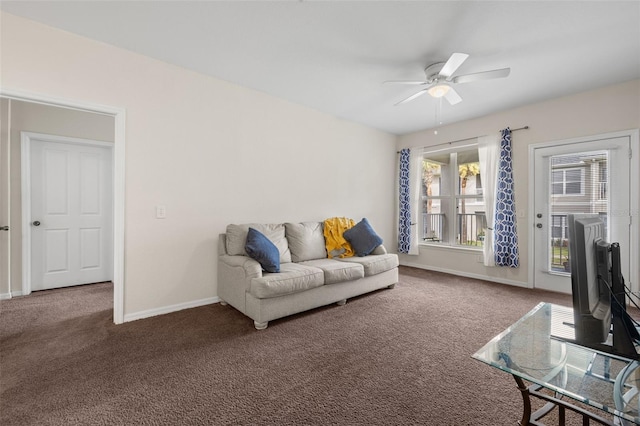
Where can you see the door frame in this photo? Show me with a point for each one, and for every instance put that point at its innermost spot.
(5, 199)
(634, 201)
(118, 162)
(25, 169)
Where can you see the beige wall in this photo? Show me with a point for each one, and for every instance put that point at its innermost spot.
(213, 153)
(595, 112)
(38, 118)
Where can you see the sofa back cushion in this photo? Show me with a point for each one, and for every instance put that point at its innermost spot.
(237, 238)
(306, 241)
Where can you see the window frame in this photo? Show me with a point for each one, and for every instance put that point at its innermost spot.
(453, 196)
(564, 182)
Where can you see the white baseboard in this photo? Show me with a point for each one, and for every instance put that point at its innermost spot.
(468, 275)
(168, 309)
(6, 296)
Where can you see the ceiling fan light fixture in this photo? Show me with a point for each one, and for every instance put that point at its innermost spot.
(439, 90)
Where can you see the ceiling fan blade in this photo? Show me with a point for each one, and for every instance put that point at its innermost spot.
(452, 64)
(485, 75)
(415, 83)
(412, 97)
(452, 96)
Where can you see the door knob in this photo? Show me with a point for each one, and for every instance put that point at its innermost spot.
(36, 223)
(4, 228)
(538, 225)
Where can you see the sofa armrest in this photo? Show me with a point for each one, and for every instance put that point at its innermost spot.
(379, 250)
(222, 244)
(234, 279)
(251, 267)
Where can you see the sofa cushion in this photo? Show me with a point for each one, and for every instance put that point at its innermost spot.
(337, 272)
(237, 239)
(375, 264)
(362, 238)
(292, 278)
(306, 241)
(259, 247)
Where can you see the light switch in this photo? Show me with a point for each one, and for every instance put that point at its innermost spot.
(161, 212)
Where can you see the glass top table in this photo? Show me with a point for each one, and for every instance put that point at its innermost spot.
(535, 349)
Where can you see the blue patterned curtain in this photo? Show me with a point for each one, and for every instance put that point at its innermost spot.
(506, 238)
(404, 225)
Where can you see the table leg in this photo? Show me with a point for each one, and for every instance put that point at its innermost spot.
(526, 401)
(531, 419)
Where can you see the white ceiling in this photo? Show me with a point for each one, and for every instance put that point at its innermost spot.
(333, 56)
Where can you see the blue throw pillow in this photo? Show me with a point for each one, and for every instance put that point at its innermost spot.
(260, 248)
(362, 238)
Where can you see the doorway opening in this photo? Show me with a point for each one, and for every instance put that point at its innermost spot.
(596, 175)
(116, 179)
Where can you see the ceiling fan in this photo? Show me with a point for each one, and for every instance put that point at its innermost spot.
(439, 82)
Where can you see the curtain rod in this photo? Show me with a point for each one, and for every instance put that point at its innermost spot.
(468, 139)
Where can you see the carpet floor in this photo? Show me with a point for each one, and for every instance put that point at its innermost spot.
(392, 357)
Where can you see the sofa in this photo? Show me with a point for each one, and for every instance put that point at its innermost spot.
(307, 277)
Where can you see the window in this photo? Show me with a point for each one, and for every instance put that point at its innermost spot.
(478, 185)
(453, 211)
(567, 181)
(602, 180)
(559, 226)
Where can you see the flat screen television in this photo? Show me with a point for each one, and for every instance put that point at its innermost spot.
(591, 296)
(598, 290)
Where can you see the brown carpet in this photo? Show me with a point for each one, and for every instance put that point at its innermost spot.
(393, 357)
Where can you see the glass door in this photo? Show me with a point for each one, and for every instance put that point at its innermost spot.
(578, 178)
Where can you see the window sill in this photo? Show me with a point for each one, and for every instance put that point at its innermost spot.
(470, 249)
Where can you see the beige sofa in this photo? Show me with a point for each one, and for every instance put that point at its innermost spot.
(307, 278)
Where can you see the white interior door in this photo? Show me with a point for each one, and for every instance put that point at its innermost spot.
(70, 221)
(578, 177)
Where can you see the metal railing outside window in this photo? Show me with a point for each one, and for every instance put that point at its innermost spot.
(470, 228)
(433, 226)
(602, 190)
